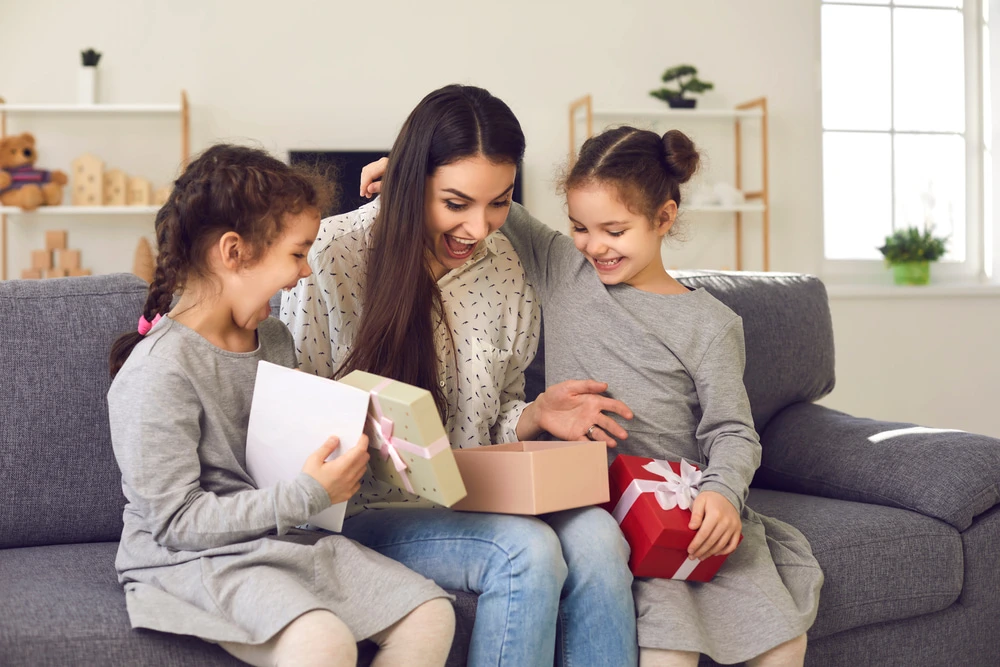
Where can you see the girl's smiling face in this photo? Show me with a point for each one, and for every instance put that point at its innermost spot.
(465, 202)
(623, 246)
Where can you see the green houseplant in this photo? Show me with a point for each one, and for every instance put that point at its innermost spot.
(687, 80)
(910, 251)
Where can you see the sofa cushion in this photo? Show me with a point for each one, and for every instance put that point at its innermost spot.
(880, 563)
(951, 476)
(788, 332)
(59, 482)
(63, 605)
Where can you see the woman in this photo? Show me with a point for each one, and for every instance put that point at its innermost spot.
(416, 286)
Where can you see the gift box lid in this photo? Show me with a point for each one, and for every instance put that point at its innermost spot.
(412, 410)
(659, 527)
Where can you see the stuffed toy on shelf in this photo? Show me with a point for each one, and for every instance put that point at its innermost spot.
(21, 184)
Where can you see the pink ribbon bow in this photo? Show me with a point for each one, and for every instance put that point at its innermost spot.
(389, 445)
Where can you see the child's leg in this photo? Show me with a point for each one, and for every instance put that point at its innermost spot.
(315, 639)
(790, 654)
(656, 657)
(421, 639)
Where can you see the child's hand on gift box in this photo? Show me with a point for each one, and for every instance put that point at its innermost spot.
(341, 477)
(718, 525)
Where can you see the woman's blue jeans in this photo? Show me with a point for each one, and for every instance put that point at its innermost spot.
(565, 571)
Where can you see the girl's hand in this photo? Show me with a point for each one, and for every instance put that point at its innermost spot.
(370, 177)
(340, 477)
(718, 525)
(567, 410)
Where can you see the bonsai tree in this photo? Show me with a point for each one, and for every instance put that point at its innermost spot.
(910, 251)
(687, 82)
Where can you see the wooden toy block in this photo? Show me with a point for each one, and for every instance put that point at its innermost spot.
(55, 239)
(41, 259)
(143, 265)
(140, 192)
(160, 196)
(57, 273)
(88, 181)
(76, 273)
(68, 259)
(115, 188)
(31, 274)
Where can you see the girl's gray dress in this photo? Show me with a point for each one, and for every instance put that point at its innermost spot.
(203, 551)
(677, 361)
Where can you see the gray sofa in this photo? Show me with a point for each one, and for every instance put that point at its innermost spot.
(907, 528)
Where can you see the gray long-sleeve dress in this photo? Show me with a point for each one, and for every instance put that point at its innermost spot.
(677, 361)
(204, 552)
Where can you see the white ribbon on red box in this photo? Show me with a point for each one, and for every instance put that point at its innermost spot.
(674, 491)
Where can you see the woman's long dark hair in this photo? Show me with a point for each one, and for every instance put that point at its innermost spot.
(227, 188)
(401, 301)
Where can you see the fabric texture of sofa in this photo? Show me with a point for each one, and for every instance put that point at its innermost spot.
(904, 523)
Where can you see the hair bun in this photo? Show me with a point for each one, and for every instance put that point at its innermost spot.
(681, 155)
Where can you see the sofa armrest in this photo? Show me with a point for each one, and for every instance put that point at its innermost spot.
(948, 475)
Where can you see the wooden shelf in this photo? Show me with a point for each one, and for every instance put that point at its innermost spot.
(183, 111)
(91, 108)
(81, 210)
(728, 114)
(583, 110)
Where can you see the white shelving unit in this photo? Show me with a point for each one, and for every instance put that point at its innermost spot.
(182, 109)
(753, 111)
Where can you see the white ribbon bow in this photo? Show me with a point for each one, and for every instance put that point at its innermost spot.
(676, 490)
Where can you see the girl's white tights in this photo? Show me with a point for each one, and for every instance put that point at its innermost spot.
(790, 654)
(320, 639)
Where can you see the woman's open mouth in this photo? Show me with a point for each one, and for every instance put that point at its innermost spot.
(459, 248)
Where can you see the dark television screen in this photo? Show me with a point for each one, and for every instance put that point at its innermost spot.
(345, 167)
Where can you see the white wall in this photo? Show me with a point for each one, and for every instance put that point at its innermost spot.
(344, 75)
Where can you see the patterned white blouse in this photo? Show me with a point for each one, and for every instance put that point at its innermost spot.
(491, 309)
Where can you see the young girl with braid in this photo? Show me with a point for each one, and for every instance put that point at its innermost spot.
(204, 552)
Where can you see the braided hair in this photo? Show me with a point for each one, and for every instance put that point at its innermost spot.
(227, 188)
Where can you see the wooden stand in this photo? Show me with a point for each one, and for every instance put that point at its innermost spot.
(758, 201)
(183, 109)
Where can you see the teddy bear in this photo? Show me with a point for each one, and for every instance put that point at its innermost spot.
(20, 183)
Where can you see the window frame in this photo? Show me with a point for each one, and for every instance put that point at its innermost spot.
(975, 265)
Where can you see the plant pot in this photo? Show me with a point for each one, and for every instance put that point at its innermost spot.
(912, 273)
(87, 85)
(682, 103)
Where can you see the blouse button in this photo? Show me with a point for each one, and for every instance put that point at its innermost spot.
(441, 383)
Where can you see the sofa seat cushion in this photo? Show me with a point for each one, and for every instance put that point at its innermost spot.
(63, 605)
(880, 563)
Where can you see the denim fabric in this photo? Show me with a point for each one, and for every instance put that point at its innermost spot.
(557, 585)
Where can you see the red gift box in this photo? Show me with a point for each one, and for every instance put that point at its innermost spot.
(641, 491)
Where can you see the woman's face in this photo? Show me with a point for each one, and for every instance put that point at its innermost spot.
(464, 202)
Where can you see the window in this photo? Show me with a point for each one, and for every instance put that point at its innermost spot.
(904, 136)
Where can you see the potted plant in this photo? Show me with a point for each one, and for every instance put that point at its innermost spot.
(909, 252)
(687, 80)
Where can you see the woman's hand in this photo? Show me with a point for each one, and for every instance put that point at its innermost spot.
(569, 409)
(718, 525)
(371, 184)
(340, 477)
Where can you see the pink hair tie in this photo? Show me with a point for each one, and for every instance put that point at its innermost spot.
(145, 325)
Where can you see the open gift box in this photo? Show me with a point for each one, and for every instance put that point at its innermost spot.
(533, 477)
(651, 499)
(411, 450)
